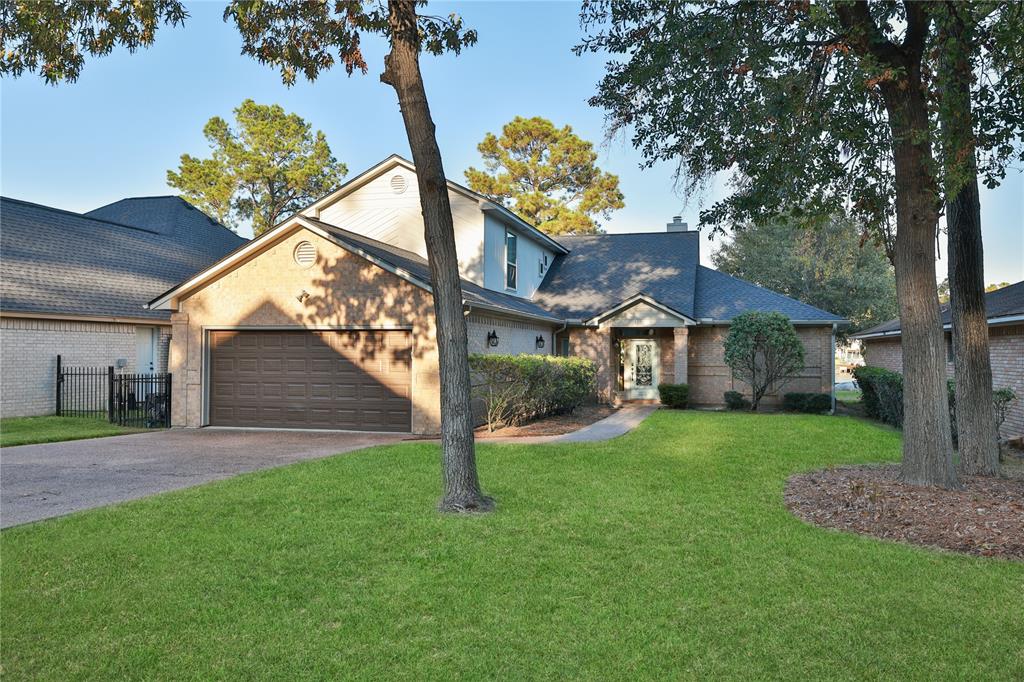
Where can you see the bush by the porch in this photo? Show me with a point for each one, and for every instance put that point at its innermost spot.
(517, 388)
(676, 396)
(811, 403)
(734, 400)
(763, 351)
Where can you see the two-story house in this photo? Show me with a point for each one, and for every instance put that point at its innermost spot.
(326, 321)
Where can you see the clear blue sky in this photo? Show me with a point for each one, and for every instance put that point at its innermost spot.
(126, 121)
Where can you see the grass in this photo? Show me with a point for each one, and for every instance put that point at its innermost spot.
(27, 430)
(848, 397)
(664, 554)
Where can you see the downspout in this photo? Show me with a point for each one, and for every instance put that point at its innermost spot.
(835, 326)
(554, 336)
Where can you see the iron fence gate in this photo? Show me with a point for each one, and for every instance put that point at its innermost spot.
(140, 400)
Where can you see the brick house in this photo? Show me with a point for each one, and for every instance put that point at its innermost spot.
(326, 321)
(1005, 310)
(76, 285)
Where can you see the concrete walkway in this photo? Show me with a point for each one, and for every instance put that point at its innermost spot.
(621, 422)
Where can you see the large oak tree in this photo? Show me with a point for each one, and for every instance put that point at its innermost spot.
(305, 38)
(813, 108)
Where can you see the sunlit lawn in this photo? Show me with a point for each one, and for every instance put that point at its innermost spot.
(664, 554)
(26, 430)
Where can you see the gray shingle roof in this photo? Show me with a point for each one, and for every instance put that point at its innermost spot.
(723, 297)
(602, 271)
(418, 267)
(1003, 302)
(60, 262)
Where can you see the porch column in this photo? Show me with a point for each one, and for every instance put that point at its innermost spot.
(681, 351)
(177, 365)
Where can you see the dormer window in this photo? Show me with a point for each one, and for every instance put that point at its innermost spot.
(511, 260)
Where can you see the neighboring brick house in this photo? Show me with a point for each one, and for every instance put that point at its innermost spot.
(326, 321)
(1005, 310)
(76, 285)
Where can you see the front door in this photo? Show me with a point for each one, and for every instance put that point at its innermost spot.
(145, 349)
(641, 369)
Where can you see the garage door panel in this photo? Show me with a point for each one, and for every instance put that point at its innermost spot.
(345, 380)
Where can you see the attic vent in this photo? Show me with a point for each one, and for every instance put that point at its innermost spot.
(398, 183)
(305, 254)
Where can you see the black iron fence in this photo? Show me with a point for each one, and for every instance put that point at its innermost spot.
(140, 400)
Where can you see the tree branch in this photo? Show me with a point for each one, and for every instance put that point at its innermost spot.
(864, 35)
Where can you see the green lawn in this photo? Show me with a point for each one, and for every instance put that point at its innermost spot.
(848, 397)
(664, 554)
(26, 430)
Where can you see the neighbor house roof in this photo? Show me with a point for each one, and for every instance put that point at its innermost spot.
(1001, 306)
(603, 271)
(63, 263)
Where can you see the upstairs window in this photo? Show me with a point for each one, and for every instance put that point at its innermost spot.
(511, 260)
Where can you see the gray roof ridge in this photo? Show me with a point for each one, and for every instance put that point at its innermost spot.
(187, 203)
(78, 215)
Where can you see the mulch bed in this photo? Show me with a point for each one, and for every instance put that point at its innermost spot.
(985, 518)
(556, 425)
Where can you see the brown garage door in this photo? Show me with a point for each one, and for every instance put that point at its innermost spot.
(293, 379)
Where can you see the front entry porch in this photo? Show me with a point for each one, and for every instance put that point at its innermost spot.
(643, 358)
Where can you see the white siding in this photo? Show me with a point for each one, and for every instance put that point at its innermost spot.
(377, 211)
(530, 255)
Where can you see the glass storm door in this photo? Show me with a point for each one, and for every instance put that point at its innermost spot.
(642, 369)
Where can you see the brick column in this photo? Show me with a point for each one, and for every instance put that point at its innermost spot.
(681, 352)
(177, 365)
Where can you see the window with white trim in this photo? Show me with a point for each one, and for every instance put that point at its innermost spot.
(511, 260)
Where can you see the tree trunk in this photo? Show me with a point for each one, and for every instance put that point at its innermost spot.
(927, 444)
(402, 71)
(975, 416)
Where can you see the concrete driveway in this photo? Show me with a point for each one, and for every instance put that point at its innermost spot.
(52, 479)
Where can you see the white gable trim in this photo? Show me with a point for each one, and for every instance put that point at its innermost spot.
(393, 161)
(642, 298)
(169, 299)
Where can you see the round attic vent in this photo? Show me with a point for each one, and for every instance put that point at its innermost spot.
(305, 254)
(398, 183)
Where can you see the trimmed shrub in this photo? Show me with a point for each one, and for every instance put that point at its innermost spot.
(811, 403)
(517, 388)
(881, 394)
(763, 351)
(676, 396)
(734, 400)
(795, 402)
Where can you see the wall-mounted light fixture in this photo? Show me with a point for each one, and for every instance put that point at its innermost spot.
(301, 298)
(492, 338)
(540, 341)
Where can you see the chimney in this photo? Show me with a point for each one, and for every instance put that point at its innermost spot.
(677, 224)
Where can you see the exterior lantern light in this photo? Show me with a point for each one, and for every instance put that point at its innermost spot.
(540, 341)
(492, 339)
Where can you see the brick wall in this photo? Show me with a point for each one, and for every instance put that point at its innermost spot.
(514, 336)
(710, 377)
(28, 357)
(343, 290)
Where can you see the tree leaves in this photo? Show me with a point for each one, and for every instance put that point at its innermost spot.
(271, 166)
(547, 175)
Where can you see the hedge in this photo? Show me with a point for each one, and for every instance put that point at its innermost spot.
(811, 403)
(881, 394)
(734, 400)
(676, 396)
(517, 388)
